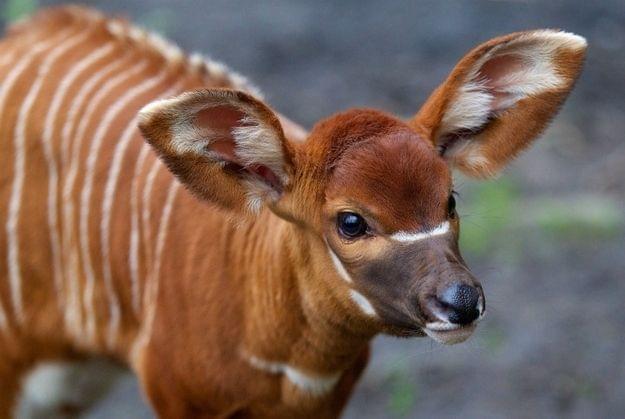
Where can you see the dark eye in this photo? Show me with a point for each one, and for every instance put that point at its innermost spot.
(351, 225)
(451, 206)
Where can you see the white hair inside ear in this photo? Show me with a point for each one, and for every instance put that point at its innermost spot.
(216, 137)
(507, 73)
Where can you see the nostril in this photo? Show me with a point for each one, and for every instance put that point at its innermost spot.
(461, 302)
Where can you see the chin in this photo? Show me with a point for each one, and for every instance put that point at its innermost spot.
(404, 331)
(451, 335)
(442, 332)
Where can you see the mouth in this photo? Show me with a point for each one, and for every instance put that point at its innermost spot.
(442, 330)
(449, 333)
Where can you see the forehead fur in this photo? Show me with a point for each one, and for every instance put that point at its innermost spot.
(332, 136)
(379, 163)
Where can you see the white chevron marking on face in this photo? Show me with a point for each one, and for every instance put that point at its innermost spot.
(362, 302)
(407, 237)
(338, 265)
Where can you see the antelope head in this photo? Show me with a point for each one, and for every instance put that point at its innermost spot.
(371, 193)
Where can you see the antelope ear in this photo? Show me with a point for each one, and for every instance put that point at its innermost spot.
(500, 97)
(224, 145)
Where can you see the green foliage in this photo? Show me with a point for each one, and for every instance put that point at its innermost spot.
(494, 217)
(488, 210)
(403, 392)
(493, 338)
(16, 9)
(582, 217)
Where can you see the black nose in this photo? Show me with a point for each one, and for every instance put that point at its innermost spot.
(461, 303)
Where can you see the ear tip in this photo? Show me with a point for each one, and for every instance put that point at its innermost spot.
(562, 38)
(153, 108)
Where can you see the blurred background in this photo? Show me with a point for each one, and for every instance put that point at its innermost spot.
(547, 238)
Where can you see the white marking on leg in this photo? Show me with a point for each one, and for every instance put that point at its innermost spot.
(85, 197)
(407, 237)
(51, 386)
(73, 313)
(46, 383)
(315, 385)
(15, 201)
(338, 265)
(130, 132)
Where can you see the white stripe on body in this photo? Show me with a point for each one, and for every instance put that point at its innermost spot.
(53, 170)
(315, 385)
(161, 237)
(46, 142)
(151, 289)
(146, 214)
(73, 311)
(3, 318)
(15, 201)
(407, 237)
(7, 59)
(87, 116)
(133, 254)
(85, 198)
(109, 194)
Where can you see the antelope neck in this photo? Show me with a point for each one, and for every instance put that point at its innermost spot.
(294, 322)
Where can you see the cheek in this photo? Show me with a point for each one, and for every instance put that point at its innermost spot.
(394, 278)
(395, 272)
(392, 284)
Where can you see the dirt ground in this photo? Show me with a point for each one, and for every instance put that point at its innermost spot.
(547, 238)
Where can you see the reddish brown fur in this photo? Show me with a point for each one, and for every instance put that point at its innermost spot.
(413, 192)
(230, 284)
(508, 135)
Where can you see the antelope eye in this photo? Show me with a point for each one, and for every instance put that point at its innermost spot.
(351, 225)
(451, 206)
